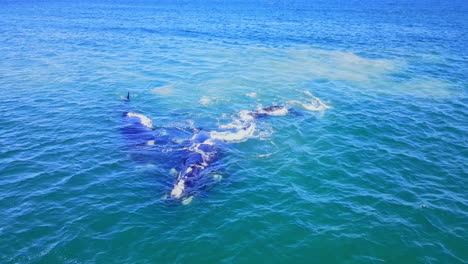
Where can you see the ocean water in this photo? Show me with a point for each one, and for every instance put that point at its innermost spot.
(370, 166)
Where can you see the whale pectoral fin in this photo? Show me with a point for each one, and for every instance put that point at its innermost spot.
(178, 189)
(188, 200)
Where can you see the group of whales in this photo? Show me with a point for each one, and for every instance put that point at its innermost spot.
(201, 148)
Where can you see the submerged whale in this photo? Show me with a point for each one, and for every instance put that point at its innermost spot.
(151, 145)
(200, 149)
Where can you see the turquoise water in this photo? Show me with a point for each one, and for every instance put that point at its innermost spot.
(378, 176)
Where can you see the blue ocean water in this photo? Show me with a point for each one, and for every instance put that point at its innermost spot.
(370, 168)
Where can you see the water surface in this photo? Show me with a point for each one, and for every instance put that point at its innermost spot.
(379, 177)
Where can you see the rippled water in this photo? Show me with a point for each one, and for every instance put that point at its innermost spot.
(379, 177)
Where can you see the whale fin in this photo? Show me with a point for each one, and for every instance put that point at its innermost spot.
(126, 98)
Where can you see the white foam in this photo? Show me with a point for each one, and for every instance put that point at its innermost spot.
(230, 125)
(205, 100)
(245, 115)
(244, 126)
(144, 120)
(237, 136)
(245, 118)
(312, 104)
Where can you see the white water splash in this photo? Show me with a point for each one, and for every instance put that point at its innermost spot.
(244, 127)
(313, 103)
(205, 100)
(240, 135)
(144, 120)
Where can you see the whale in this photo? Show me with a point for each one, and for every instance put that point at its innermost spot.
(147, 144)
(204, 151)
(197, 149)
(193, 176)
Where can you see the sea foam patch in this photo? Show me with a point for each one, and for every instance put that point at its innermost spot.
(277, 72)
(165, 90)
(338, 65)
(265, 74)
(427, 87)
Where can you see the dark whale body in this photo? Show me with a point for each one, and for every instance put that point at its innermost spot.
(199, 150)
(201, 154)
